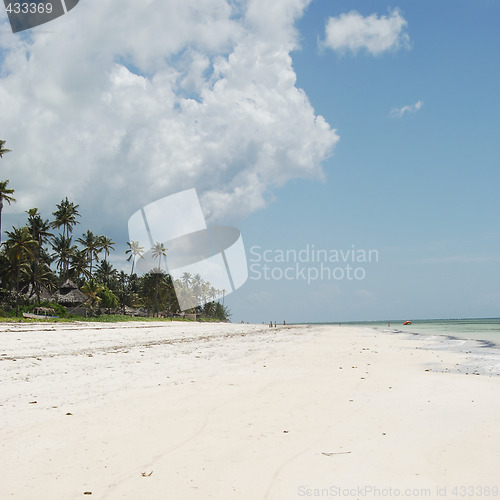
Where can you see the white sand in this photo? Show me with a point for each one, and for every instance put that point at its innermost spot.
(242, 412)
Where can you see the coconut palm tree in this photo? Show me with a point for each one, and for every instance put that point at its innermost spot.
(3, 150)
(5, 195)
(204, 292)
(197, 286)
(64, 250)
(209, 309)
(92, 289)
(106, 245)
(213, 292)
(156, 291)
(20, 245)
(221, 312)
(185, 294)
(39, 230)
(7, 274)
(157, 252)
(124, 291)
(92, 245)
(65, 216)
(38, 276)
(134, 249)
(78, 265)
(186, 278)
(106, 273)
(171, 296)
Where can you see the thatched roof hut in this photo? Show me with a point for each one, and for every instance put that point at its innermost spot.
(45, 295)
(69, 295)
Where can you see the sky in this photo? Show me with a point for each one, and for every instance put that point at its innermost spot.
(354, 128)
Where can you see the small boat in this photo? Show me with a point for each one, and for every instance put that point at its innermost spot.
(407, 323)
(37, 316)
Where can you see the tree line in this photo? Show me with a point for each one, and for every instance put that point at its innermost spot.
(43, 253)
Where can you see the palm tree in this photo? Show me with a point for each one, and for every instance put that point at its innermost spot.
(221, 312)
(92, 289)
(156, 290)
(158, 251)
(78, 265)
(64, 251)
(65, 216)
(40, 275)
(209, 309)
(197, 287)
(2, 149)
(134, 249)
(106, 245)
(205, 292)
(5, 195)
(185, 294)
(186, 278)
(170, 295)
(213, 293)
(7, 278)
(39, 230)
(92, 245)
(123, 290)
(20, 246)
(105, 273)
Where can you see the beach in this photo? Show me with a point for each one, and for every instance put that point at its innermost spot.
(179, 410)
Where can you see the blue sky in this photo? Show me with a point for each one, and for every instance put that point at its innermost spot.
(422, 188)
(412, 122)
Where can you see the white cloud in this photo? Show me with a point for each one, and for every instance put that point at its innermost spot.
(353, 32)
(117, 104)
(411, 108)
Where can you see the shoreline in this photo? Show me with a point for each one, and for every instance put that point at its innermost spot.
(418, 328)
(239, 411)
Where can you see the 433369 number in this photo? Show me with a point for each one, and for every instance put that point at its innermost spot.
(29, 8)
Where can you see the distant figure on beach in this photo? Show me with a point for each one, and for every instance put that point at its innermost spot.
(389, 324)
(284, 322)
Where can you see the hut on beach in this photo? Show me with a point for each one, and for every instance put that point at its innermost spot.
(70, 297)
(45, 295)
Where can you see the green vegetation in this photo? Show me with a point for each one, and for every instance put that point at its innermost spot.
(36, 262)
(5, 195)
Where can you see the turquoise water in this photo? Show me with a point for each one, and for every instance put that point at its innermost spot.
(485, 330)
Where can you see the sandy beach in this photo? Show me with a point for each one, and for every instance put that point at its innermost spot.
(223, 411)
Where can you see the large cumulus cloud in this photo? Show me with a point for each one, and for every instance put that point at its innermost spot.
(119, 103)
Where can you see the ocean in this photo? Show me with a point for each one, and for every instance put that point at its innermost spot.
(485, 331)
